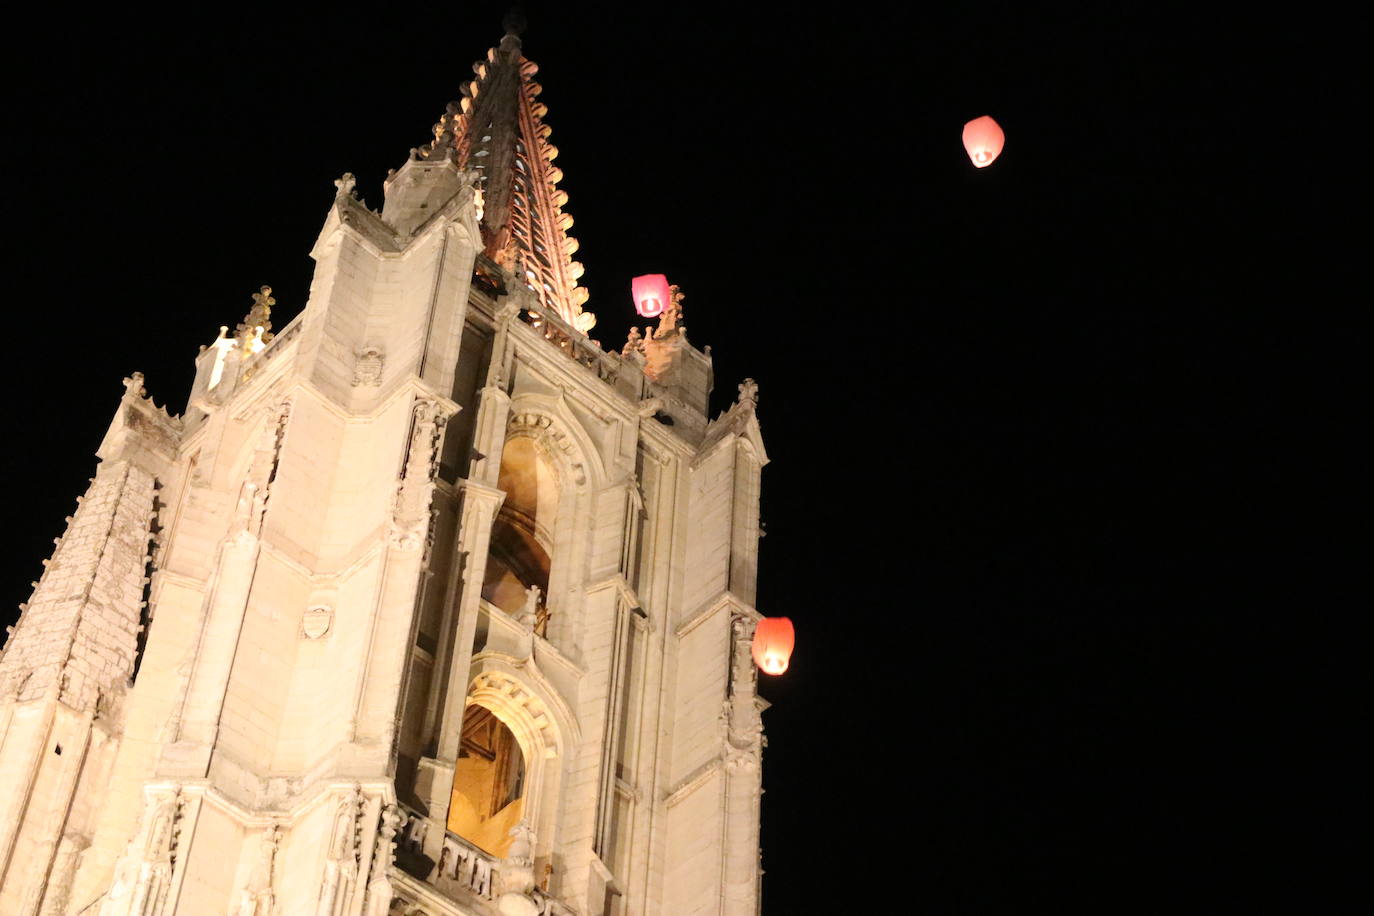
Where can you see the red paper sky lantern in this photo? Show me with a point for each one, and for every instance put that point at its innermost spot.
(983, 138)
(650, 294)
(773, 642)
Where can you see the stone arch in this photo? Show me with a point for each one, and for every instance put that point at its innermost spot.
(552, 442)
(523, 532)
(560, 439)
(559, 432)
(526, 703)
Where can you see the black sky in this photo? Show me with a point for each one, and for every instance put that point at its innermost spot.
(1031, 426)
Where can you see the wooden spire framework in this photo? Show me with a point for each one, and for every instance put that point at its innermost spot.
(497, 131)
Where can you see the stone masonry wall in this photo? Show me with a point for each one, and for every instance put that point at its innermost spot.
(79, 631)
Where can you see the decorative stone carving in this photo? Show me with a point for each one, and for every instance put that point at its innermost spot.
(256, 899)
(446, 132)
(341, 867)
(668, 322)
(254, 331)
(529, 612)
(316, 621)
(743, 758)
(410, 521)
(749, 393)
(740, 716)
(549, 437)
(345, 184)
(500, 689)
(379, 891)
(143, 874)
(634, 343)
(665, 343)
(133, 386)
(384, 853)
(253, 493)
(519, 859)
(368, 370)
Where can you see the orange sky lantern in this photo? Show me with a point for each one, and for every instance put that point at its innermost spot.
(773, 642)
(983, 138)
(650, 294)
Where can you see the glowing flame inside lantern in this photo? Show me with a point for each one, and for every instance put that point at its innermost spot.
(983, 138)
(650, 294)
(773, 642)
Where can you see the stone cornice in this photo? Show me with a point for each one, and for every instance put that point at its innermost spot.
(549, 356)
(695, 780)
(617, 582)
(429, 897)
(367, 227)
(736, 422)
(342, 573)
(725, 599)
(411, 385)
(310, 796)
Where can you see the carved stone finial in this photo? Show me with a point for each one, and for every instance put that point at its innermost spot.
(345, 184)
(133, 386)
(445, 133)
(749, 392)
(384, 852)
(253, 333)
(634, 343)
(257, 896)
(669, 321)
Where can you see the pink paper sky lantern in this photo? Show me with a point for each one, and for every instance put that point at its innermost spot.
(983, 138)
(650, 294)
(774, 639)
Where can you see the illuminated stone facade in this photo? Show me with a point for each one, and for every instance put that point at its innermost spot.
(427, 604)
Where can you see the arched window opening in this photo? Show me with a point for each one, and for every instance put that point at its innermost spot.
(522, 533)
(488, 783)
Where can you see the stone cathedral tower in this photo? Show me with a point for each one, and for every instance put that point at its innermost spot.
(426, 604)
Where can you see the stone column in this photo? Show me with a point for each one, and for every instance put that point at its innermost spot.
(479, 501)
(477, 512)
(743, 775)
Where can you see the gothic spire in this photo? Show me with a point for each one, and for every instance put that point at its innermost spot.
(496, 130)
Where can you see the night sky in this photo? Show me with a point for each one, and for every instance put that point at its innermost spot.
(1030, 426)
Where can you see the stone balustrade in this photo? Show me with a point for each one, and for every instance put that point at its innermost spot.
(472, 870)
(574, 343)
